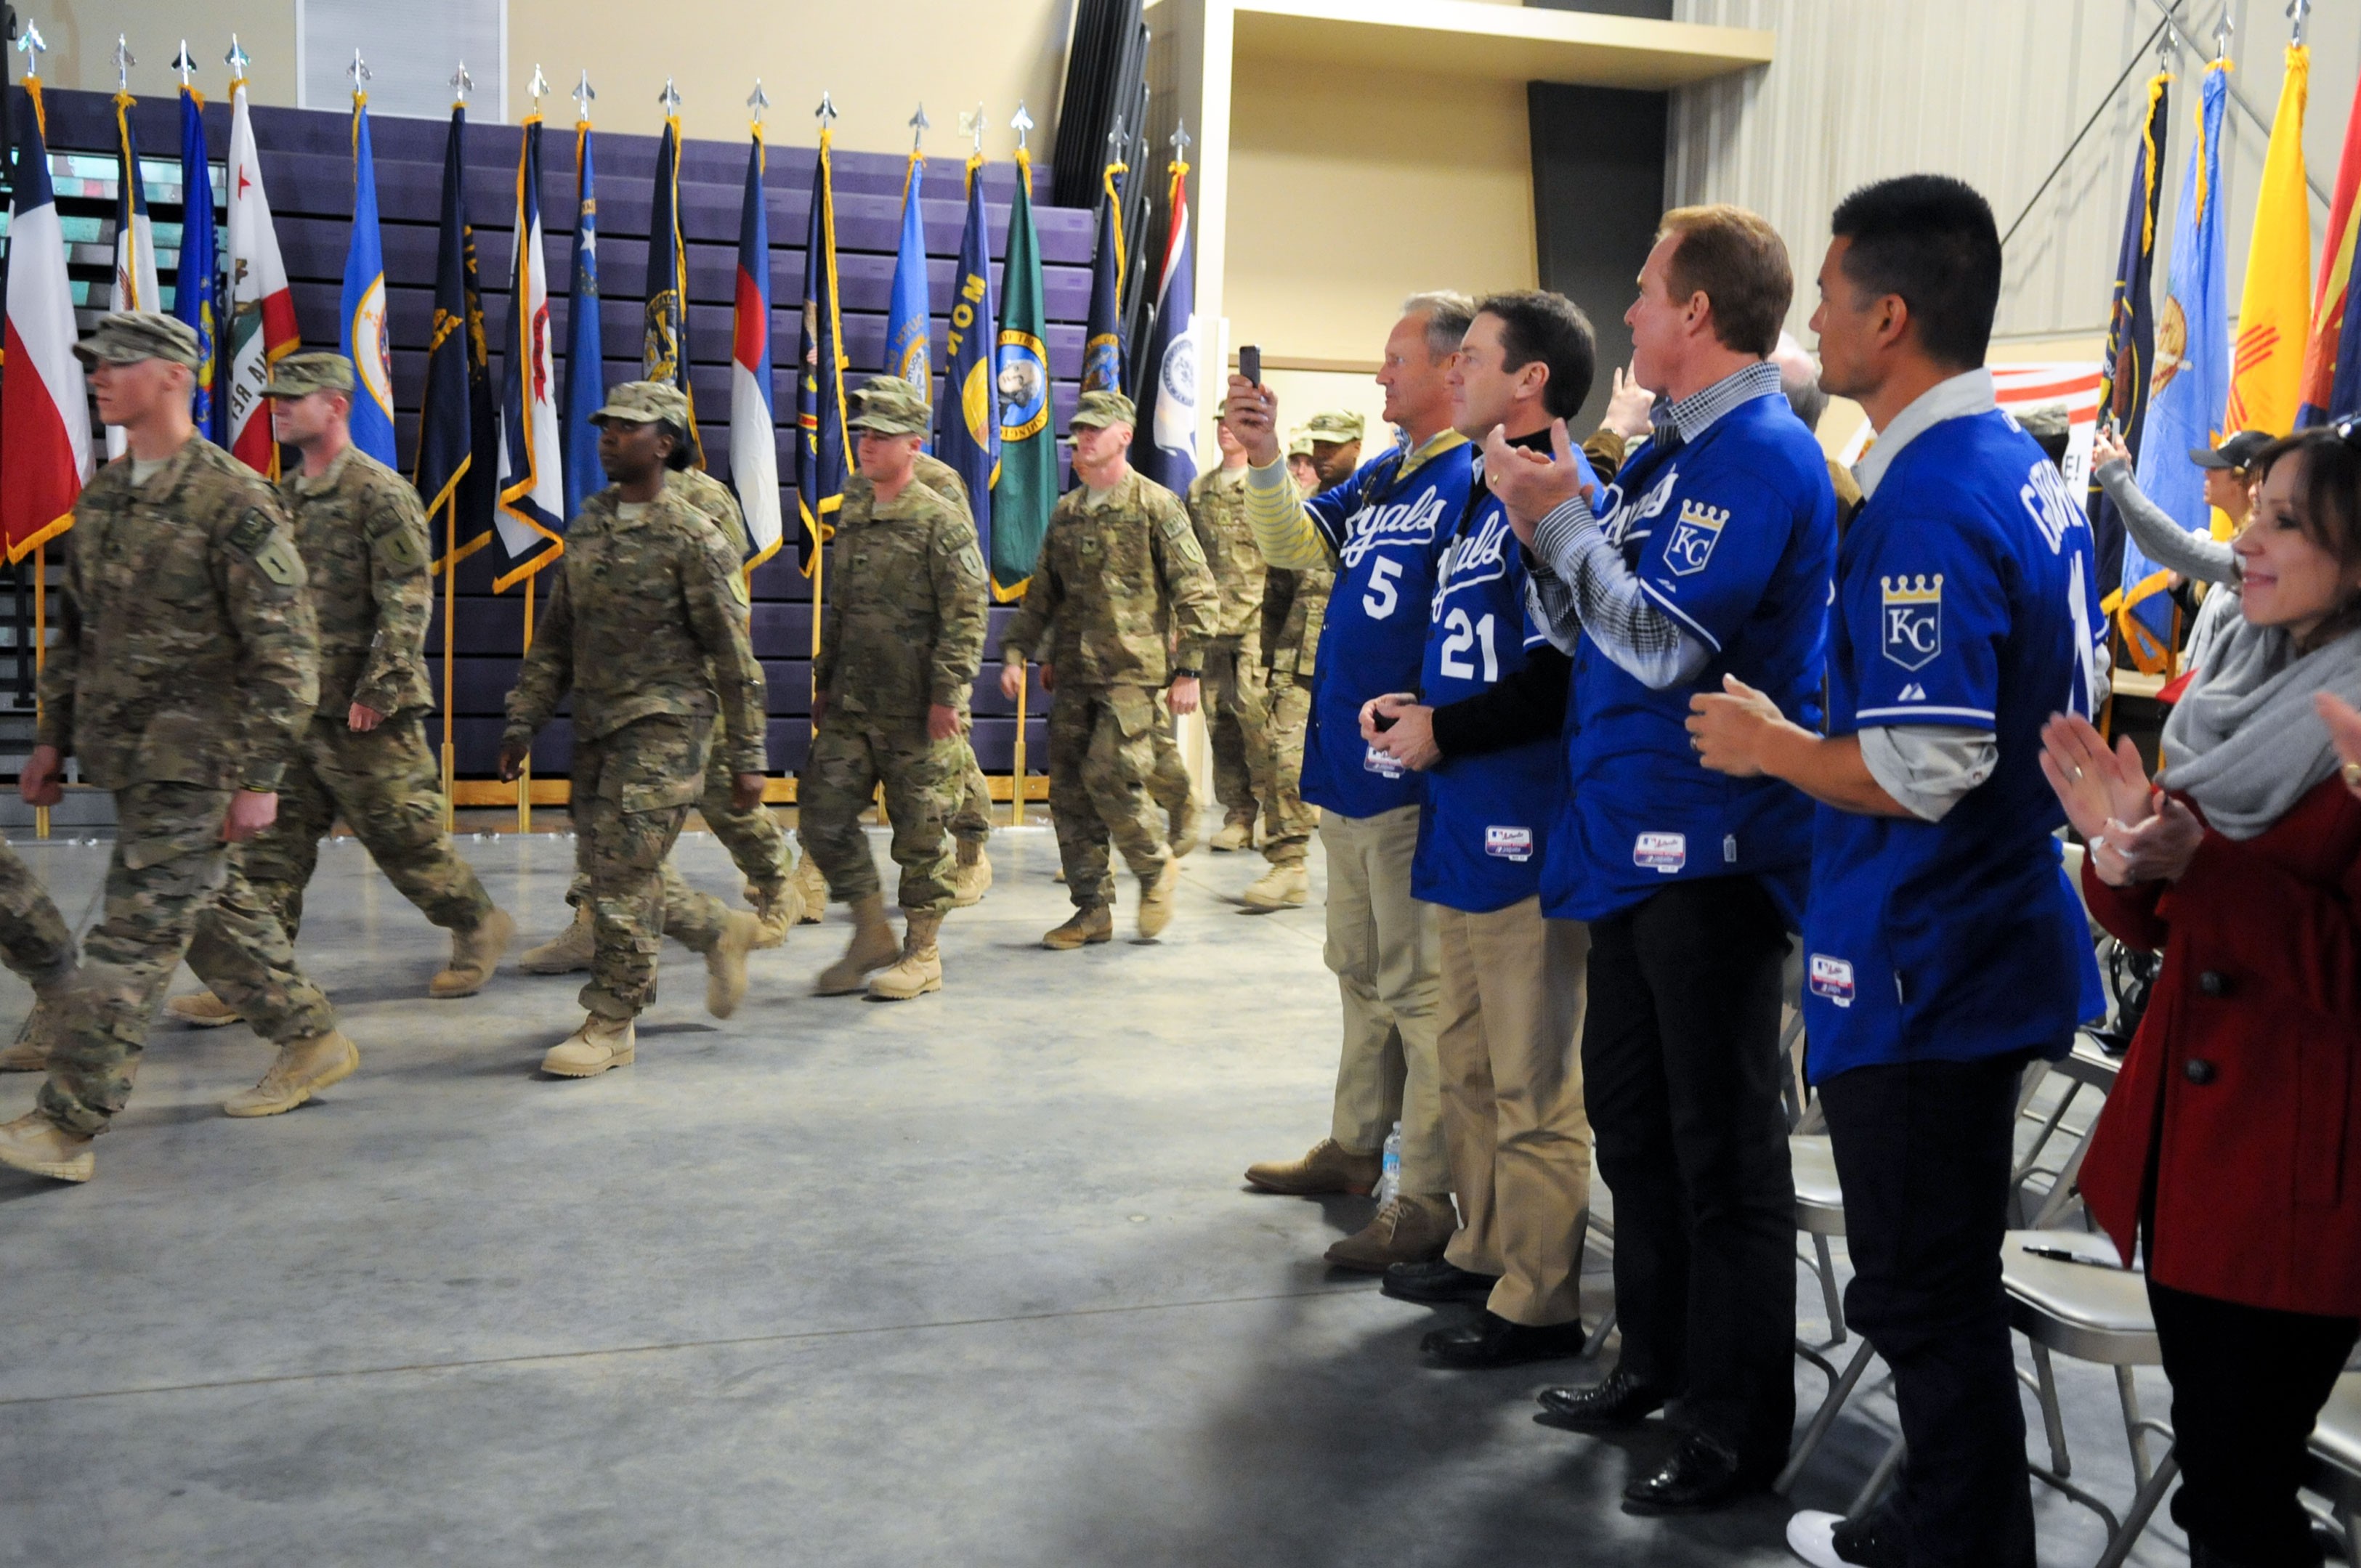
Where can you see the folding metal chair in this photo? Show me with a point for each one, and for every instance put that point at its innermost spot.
(2336, 1459)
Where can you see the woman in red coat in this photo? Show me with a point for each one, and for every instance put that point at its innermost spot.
(2231, 1148)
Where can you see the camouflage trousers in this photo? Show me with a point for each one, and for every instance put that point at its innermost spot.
(1287, 821)
(1168, 780)
(972, 822)
(173, 888)
(849, 758)
(631, 791)
(34, 940)
(386, 786)
(1102, 755)
(756, 842)
(1237, 712)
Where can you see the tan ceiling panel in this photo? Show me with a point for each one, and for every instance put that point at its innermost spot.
(1468, 38)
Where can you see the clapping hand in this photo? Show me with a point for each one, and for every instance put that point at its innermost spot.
(2095, 785)
(1530, 485)
(2343, 728)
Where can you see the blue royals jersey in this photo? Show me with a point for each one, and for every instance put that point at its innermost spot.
(1732, 535)
(1388, 530)
(1481, 837)
(1966, 596)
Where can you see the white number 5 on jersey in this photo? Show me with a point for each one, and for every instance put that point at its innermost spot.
(1382, 595)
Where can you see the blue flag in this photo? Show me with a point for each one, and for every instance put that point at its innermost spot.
(1164, 446)
(585, 374)
(908, 334)
(820, 466)
(2130, 326)
(196, 299)
(968, 413)
(2192, 383)
(360, 315)
(1102, 365)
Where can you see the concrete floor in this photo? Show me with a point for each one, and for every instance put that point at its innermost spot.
(965, 1280)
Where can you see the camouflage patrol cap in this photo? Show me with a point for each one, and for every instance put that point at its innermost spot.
(644, 402)
(128, 337)
(1336, 425)
(300, 375)
(1300, 444)
(891, 406)
(2048, 421)
(1099, 410)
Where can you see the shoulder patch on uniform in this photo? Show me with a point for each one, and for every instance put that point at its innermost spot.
(738, 590)
(276, 560)
(1182, 536)
(972, 562)
(248, 533)
(402, 546)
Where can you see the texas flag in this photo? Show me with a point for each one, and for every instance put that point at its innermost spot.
(44, 417)
(261, 307)
(754, 439)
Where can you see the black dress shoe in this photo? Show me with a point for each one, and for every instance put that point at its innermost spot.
(1435, 1281)
(1703, 1473)
(1493, 1340)
(1620, 1401)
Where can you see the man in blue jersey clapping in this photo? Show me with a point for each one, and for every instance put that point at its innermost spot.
(1382, 531)
(1709, 557)
(1945, 947)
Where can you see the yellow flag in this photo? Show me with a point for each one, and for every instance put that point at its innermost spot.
(2274, 310)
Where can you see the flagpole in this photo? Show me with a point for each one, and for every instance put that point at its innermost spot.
(41, 658)
(525, 778)
(1016, 763)
(450, 609)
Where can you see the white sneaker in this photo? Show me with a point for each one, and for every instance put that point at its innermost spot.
(1811, 1535)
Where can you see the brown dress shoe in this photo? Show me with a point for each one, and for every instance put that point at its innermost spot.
(1329, 1166)
(1410, 1229)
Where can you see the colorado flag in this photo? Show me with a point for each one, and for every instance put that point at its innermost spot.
(754, 431)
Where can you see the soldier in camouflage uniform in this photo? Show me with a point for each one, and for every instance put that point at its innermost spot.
(1294, 606)
(362, 535)
(36, 945)
(647, 627)
(901, 639)
(756, 842)
(1236, 712)
(1133, 604)
(186, 666)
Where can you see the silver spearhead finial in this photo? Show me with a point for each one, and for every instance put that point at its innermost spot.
(124, 60)
(758, 100)
(2297, 10)
(920, 125)
(582, 95)
(184, 63)
(1178, 142)
(31, 47)
(825, 113)
(461, 83)
(2222, 32)
(237, 59)
(538, 87)
(670, 99)
(1020, 121)
(361, 73)
(975, 129)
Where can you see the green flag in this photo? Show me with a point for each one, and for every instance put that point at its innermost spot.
(1027, 485)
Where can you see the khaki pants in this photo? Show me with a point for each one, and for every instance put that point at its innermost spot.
(1512, 1114)
(1381, 947)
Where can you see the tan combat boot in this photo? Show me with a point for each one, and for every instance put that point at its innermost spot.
(1236, 835)
(779, 912)
(1156, 899)
(725, 963)
(1281, 887)
(570, 951)
(813, 882)
(600, 1044)
(1185, 835)
(203, 1010)
(35, 1142)
(31, 1051)
(303, 1069)
(475, 953)
(1329, 1166)
(920, 969)
(873, 948)
(1095, 923)
(1410, 1229)
(974, 875)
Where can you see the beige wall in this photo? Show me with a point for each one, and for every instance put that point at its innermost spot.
(878, 58)
(1348, 192)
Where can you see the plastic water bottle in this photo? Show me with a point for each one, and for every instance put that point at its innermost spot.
(1390, 1183)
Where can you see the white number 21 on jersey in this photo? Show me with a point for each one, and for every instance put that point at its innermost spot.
(1460, 637)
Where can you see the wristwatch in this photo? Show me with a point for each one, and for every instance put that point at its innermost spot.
(1187, 675)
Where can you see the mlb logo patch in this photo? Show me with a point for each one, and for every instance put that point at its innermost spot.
(1913, 612)
(1509, 843)
(1665, 853)
(1695, 533)
(1832, 978)
(1385, 765)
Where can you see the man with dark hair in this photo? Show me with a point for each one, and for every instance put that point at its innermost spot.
(1513, 1127)
(1713, 560)
(1382, 531)
(1946, 949)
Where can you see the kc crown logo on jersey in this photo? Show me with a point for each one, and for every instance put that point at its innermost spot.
(1912, 616)
(1695, 534)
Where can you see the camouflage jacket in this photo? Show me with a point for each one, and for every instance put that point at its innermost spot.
(648, 617)
(1217, 509)
(1119, 583)
(718, 502)
(366, 558)
(1294, 607)
(187, 650)
(903, 624)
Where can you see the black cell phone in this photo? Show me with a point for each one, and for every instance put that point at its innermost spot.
(1250, 363)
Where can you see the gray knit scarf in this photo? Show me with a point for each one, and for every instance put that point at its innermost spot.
(2244, 742)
